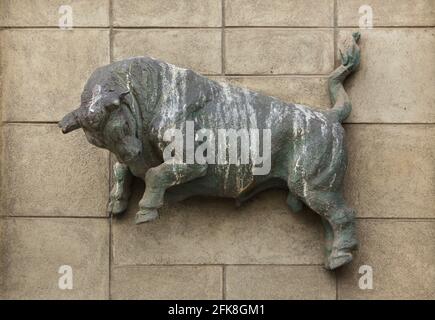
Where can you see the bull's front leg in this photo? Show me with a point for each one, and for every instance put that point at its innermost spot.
(160, 178)
(121, 190)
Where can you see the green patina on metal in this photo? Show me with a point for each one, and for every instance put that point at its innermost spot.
(127, 106)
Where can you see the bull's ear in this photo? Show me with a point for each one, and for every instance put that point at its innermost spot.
(122, 95)
(117, 101)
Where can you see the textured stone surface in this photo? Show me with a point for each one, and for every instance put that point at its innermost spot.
(169, 13)
(167, 282)
(394, 84)
(213, 231)
(198, 49)
(311, 91)
(279, 282)
(295, 13)
(391, 170)
(402, 255)
(47, 173)
(279, 51)
(46, 12)
(388, 12)
(32, 251)
(43, 71)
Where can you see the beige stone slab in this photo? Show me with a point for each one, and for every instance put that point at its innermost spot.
(293, 13)
(402, 257)
(279, 282)
(33, 250)
(167, 13)
(38, 13)
(213, 231)
(394, 83)
(197, 49)
(387, 12)
(167, 282)
(46, 173)
(279, 51)
(311, 91)
(391, 170)
(43, 71)
(217, 78)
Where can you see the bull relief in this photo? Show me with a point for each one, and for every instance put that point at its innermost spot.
(186, 135)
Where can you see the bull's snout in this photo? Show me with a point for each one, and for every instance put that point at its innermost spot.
(69, 123)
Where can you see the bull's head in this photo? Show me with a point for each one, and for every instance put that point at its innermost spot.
(92, 113)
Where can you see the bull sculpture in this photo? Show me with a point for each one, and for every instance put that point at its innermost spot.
(128, 107)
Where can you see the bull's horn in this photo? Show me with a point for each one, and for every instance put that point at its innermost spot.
(69, 123)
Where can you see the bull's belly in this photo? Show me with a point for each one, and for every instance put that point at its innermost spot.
(221, 181)
(231, 180)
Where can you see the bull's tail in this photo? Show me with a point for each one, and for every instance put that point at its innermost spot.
(349, 63)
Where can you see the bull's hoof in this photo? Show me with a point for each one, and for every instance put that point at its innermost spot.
(335, 261)
(146, 215)
(117, 206)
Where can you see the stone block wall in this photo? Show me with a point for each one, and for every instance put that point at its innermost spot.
(54, 188)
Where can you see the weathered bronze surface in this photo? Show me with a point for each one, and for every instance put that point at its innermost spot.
(128, 106)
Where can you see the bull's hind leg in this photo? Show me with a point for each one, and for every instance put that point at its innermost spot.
(120, 192)
(339, 223)
(160, 178)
